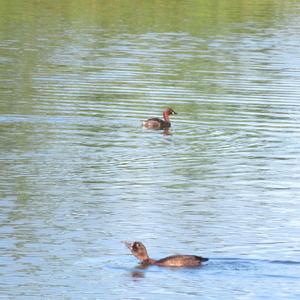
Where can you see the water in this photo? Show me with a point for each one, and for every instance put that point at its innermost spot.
(78, 173)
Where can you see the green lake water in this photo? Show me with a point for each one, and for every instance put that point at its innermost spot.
(78, 173)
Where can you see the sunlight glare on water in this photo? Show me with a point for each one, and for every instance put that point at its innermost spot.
(78, 173)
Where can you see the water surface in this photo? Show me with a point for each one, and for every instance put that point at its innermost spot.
(78, 174)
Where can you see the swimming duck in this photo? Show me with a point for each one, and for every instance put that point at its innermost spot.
(156, 123)
(140, 252)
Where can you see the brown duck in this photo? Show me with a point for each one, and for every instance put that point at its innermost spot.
(156, 123)
(140, 252)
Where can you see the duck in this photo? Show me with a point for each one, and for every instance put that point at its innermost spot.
(140, 252)
(157, 123)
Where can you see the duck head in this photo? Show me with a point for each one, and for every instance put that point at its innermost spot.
(138, 250)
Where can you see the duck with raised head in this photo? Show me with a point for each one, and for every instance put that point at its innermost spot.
(140, 252)
(157, 123)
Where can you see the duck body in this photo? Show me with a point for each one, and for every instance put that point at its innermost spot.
(157, 123)
(181, 261)
(139, 251)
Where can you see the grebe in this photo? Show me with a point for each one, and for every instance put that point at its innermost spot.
(156, 123)
(140, 252)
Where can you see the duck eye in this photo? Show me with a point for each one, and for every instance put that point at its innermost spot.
(135, 246)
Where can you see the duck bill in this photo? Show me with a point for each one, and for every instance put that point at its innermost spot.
(128, 245)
